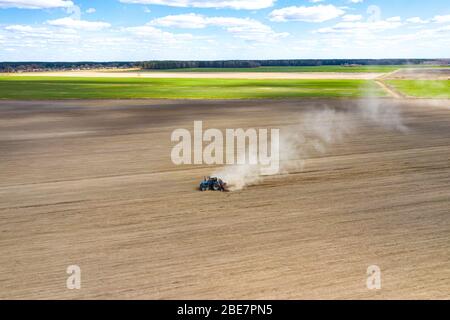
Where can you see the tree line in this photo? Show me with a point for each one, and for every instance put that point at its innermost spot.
(282, 63)
(161, 65)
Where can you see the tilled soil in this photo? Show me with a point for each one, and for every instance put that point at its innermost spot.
(92, 184)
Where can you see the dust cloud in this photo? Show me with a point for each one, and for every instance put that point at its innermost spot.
(314, 133)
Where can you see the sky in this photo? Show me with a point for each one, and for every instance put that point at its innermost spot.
(135, 30)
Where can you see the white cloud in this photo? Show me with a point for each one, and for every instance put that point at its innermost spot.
(247, 29)
(356, 1)
(352, 17)
(72, 23)
(28, 36)
(361, 27)
(91, 10)
(425, 36)
(19, 28)
(189, 21)
(442, 19)
(35, 4)
(318, 13)
(158, 36)
(394, 19)
(47, 42)
(232, 4)
(416, 20)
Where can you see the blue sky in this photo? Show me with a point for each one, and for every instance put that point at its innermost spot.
(107, 30)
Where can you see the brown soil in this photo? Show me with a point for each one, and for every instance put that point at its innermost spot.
(91, 183)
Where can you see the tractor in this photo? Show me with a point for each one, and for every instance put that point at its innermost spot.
(213, 184)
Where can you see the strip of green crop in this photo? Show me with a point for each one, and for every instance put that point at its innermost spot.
(357, 69)
(345, 69)
(423, 88)
(29, 88)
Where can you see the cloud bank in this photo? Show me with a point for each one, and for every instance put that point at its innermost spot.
(218, 4)
(35, 4)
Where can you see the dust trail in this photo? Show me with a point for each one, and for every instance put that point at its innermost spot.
(238, 177)
(314, 133)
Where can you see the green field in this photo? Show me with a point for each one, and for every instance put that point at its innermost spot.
(28, 88)
(422, 88)
(358, 69)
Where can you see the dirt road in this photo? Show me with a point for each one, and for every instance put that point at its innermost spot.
(92, 184)
(390, 91)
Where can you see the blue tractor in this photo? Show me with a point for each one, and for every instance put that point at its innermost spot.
(213, 184)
